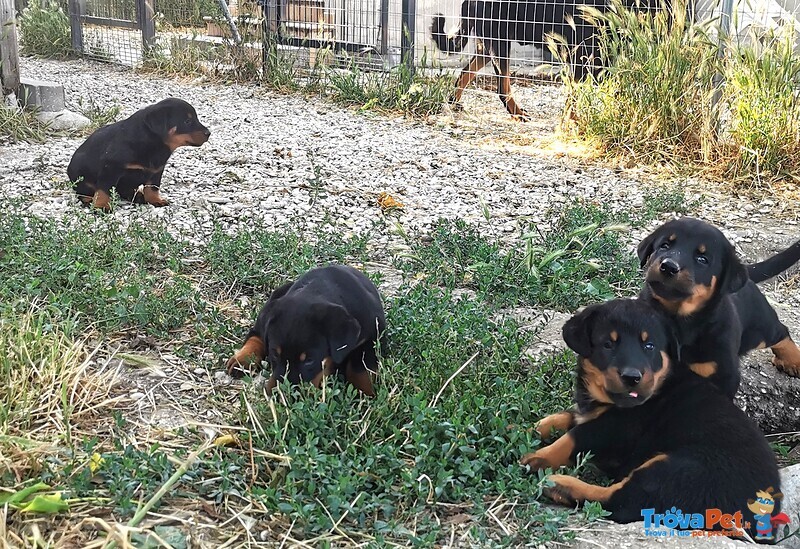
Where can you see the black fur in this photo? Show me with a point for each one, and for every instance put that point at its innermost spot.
(330, 312)
(130, 155)
(735, 318)
(710, 454)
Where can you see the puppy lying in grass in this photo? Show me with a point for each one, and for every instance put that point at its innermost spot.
(668, 437)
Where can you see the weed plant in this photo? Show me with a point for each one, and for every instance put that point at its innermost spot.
(45, 31)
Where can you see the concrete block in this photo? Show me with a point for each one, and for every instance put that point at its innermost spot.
(47, 96)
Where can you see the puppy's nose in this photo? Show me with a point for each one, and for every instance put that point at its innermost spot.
(631, 377)
(669, 267)
(206, 132)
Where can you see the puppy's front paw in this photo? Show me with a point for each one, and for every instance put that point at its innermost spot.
(534, 462)
(560, 492)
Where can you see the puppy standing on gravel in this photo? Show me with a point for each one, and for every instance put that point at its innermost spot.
(130, 155)
(327, 321)
(693, 274)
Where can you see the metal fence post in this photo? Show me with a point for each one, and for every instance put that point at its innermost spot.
(76, 10)
(408, 33)
(384, 27)
(9, 54)
(147, 23)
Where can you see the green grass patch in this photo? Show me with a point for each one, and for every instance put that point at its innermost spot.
(44, 31)
(581, 258)
(654, 101)
(438, 447)
(762, 82)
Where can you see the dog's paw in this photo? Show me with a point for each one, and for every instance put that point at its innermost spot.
(236, 368)
(560, 492)
(101, 201)
(786, 367)
(561, 421)
(521, 116)
(158, 201)
(534, 462)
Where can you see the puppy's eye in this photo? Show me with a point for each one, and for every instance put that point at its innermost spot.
(664, 246)
(648, 346)
(608, 344)
(703, 260)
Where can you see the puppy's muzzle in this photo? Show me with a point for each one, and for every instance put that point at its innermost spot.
(669, 267)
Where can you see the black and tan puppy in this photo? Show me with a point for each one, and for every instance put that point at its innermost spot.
(130, 155)
(692, 273)
(668, 437)
(327, 321)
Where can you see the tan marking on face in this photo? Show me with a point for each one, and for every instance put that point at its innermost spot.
(644, 336)
(278, 350)
(673, 237)
(661, 375)
(787, 357)
(671, 306)
(554, 456)
(561, 421)
(302, 357)
(704, 369)
(614, 335)
(700, 296)
(595, 382)
(701, 248)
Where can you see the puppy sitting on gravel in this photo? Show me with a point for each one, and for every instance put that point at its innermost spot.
(130, 155)
(327, 321)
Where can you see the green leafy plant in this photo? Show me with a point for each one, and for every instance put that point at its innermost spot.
(45, 31)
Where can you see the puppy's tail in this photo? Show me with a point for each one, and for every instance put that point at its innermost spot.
(454, 44)
(775, 265)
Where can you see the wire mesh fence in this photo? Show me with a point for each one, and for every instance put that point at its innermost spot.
(504, 43)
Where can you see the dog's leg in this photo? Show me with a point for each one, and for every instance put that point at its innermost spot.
(359, 378)
(152, 196)
(562, 421)
(101, 200)
(252, 351)
(502, 67)
(554, 456)
(468, 74)
(787, 357)
(570, 490)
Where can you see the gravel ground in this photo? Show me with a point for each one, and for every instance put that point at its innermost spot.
(287, 160)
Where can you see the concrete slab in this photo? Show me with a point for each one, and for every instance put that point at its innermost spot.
(47, 96)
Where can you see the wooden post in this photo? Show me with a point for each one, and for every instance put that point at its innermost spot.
(76, 9)
(9, 54)
(147, 23)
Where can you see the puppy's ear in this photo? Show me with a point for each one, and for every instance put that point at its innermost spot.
(645, 248)
(577, 331)
(735, 276)
(341, 329)
(157, 119)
